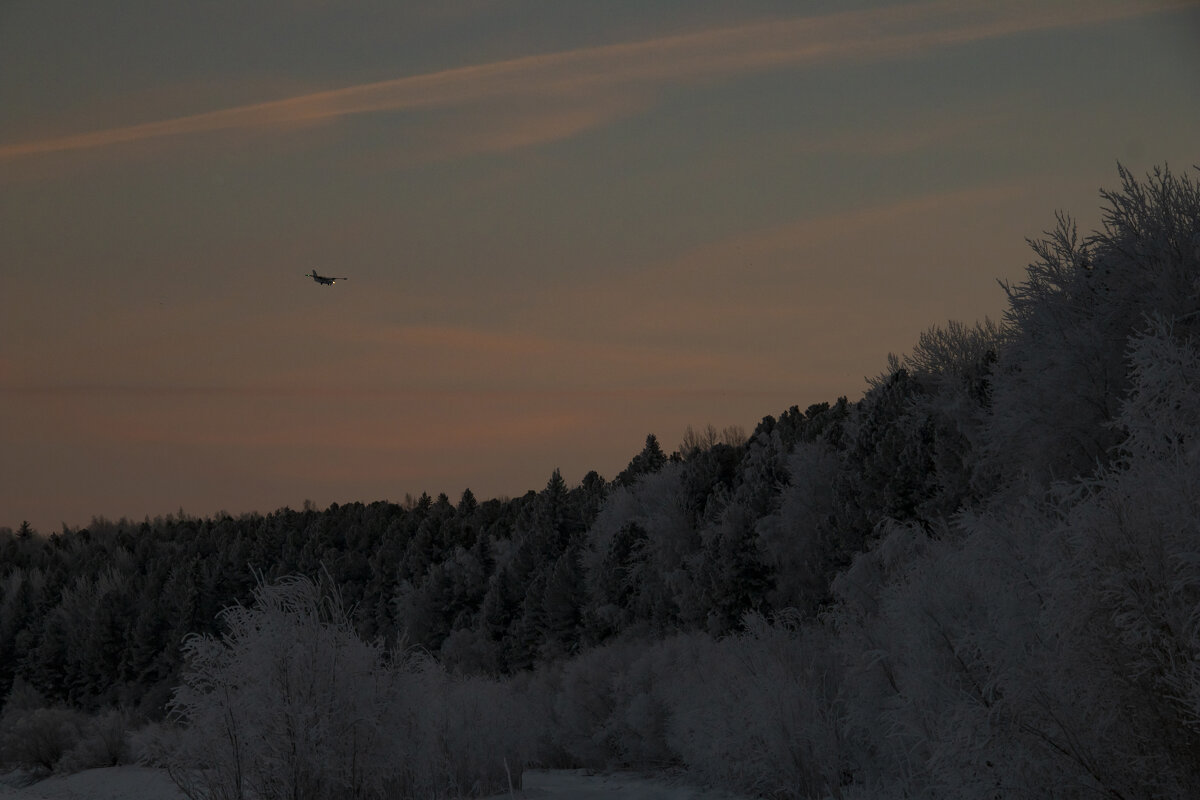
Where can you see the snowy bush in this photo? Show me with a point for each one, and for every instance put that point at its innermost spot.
(469, 736)
(36, 739)
(608, 709)
(154, 744)
(758, 712)
(103, 742)
(289, 702)
(45, 738)
(584, 706)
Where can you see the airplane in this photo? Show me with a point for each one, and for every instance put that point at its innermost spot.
(321, 279)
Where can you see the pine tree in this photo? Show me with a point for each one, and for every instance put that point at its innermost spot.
(562, 607)
(647, 462)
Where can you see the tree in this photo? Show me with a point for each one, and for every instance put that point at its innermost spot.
(562, 607)
(617, 580)
(650, 460)
(467, 504)
(888, 468)
(733, 575)
(799, 539)
(287, 703)
(1061, 369)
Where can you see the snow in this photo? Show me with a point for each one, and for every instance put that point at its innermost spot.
(111, 783)
(145, 783)
(582, 785)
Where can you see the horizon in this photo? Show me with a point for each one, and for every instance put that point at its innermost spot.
(562, 228)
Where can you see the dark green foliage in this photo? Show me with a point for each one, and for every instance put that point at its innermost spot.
(562, 607)
(820, 421)
(889, 466)
(650, 460)
(618, 581)
(734, 576)
(96, 616)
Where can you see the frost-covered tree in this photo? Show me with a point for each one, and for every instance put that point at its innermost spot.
(640, 553)
(953, 364)
(798, 539)
(1051, 647)
(287, 703)
(1125, 606)
(1062, 370)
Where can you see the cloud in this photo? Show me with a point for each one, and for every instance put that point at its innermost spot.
(638, 67)
(499, 128)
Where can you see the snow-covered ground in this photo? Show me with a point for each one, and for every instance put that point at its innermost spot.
(114, 783)
(142, 783)
(579, 785)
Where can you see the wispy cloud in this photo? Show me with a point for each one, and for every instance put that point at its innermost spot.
(496, 128)
(644, 66)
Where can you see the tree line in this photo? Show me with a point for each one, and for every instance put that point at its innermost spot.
(97, 616)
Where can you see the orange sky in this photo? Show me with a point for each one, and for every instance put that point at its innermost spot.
(564, 226)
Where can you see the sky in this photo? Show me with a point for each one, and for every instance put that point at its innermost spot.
(563, 225)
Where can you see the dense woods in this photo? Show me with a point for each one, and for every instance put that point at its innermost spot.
(980, 579)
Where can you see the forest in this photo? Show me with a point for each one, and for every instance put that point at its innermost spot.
(981, 579)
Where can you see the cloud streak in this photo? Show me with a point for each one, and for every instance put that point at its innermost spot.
(634, 67)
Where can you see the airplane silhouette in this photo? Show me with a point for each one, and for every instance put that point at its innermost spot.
(321, 279)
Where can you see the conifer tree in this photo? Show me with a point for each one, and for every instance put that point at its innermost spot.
(649, 461)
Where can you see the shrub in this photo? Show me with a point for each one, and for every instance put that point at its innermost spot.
(290, 703)
(37, 739)
(103, 742)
